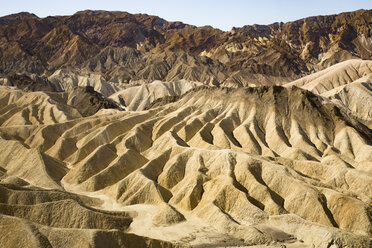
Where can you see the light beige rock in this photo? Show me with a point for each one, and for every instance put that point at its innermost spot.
(259, 166)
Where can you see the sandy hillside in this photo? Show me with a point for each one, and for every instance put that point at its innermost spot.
(347, 84)
(248, 166)
(128, 130)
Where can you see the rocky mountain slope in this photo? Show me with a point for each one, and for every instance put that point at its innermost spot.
(121, 130)
(264, 165)
(348, 84)
(124, 47)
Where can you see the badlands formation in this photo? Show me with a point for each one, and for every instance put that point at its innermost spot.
(120, 130)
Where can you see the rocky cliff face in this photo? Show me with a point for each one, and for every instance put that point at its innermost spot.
(274, 53)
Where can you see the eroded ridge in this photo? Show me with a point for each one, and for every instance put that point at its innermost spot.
(254, 163)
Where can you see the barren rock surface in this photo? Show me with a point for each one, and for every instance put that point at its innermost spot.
(96, 151)
(263, 165)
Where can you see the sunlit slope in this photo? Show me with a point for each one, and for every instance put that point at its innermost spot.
(243, 160)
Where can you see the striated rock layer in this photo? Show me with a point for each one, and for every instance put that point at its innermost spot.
(265, 165)
(121, 130)
(123, 47)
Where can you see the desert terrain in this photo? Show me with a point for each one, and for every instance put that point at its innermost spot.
(121, 130)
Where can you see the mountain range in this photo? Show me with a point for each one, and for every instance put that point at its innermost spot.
(126, 130)
(124, 48)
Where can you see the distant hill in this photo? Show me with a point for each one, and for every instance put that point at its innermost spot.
(125, 47)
